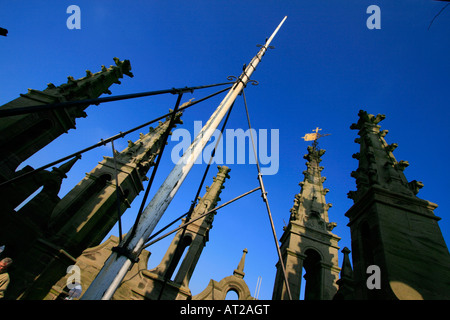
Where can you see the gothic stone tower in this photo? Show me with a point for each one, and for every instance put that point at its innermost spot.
(391, 227)
(87, 213)
(23, 135)
(162, 283)
(307, 241)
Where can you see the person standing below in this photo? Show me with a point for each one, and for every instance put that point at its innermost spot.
(4, 276)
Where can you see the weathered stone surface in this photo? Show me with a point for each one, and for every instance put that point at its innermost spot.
(307, 242)
(391, 227)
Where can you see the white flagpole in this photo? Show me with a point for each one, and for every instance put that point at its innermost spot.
(116, 267)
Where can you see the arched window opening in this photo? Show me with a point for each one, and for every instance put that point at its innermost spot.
(179, 255)
(313, 275)
(232, 295)
(29, 198)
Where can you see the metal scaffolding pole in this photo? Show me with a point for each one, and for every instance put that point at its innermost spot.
(115, 268)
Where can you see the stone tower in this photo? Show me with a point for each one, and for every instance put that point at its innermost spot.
(23, 135)
(307, 241)
(83, 217)
(391, 227)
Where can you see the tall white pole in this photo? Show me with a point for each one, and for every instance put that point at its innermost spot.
(116, 267)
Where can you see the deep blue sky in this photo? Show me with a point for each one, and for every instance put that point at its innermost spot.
(327, 65)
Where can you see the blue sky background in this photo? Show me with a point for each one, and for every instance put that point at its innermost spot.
(327, 65)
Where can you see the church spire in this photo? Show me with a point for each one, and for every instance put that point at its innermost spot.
(310, 203)
(239, 272)
(377, 164)
(91, 86)
(63, 169)
(23, 135)
(142, 152)
(90, 206)
(212, 195)
(345, 283)
(307, 242)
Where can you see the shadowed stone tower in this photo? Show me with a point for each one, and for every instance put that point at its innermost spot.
(83, 217)
(307, 241)
(23, 135)
(391, 227)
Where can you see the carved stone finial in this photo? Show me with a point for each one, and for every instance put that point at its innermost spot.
(65, 168)
(346, 270)
(402, 164)
(224, 170)
(415, 186)
(239, 272)
(366, 118)
(125, 66)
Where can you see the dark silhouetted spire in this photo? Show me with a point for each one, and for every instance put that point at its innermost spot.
(377, 164)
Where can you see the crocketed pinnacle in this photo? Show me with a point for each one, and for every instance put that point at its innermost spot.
(143, 152)
(239, 271)
(310, 206)
(377, 164)
(65, 167)
(88, 87)
(346, 282)
(212, 195)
